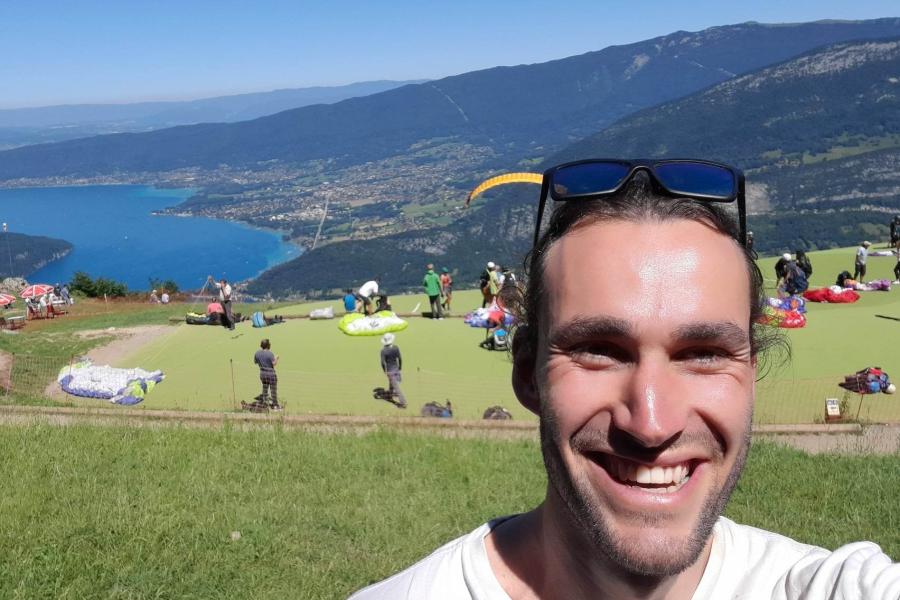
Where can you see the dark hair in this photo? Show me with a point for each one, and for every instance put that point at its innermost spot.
(637, 202)
(265, 345)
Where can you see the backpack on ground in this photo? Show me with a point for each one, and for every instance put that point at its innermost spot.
(798, 282)
(497, 413)
(440, 411)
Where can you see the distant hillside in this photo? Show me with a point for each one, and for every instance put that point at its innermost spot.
(517, 111)
(811, 127)
(824, 104)
(23, 126)
(28, 253)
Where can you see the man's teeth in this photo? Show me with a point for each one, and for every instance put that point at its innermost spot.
(664, 479)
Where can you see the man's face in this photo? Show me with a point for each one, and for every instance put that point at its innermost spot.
(646, 386)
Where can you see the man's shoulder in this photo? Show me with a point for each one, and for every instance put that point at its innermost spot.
(438, 575)
(754, 561)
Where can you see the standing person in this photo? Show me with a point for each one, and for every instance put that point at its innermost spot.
(494, 283)
(484, 282)
(366, 292)
(64, 294)
(509, 278)
(432, 284)
(392, 365)
(645, 409)
(897, 266)
(446, 288)
(225, 301)
(154, 299)
(804, 263)
(859, 267)
(266, 361)
(164, 298)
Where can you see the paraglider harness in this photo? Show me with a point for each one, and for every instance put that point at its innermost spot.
(261, 404)
(498, 339)
(797, 282)
(433, 409)
(381, 393)
(497, 413)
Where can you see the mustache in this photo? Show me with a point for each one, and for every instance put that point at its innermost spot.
(625, 445)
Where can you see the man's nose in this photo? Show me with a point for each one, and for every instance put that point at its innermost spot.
(654, 407)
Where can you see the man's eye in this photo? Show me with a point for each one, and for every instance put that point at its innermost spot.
(600, 353)
(705, 356)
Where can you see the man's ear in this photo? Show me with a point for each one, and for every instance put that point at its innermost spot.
(524, 370)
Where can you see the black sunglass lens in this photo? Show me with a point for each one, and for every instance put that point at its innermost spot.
(587, 178)
(697, 178)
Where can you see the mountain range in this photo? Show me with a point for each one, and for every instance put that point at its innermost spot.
(521, 111)
(808, 110)
(24, 126)
(819, 133)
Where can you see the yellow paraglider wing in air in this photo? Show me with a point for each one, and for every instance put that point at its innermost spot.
(504, 179)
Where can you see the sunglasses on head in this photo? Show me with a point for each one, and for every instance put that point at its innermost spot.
(594, 179)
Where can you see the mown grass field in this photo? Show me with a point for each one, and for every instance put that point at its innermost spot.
(139, 513)
(325, 371)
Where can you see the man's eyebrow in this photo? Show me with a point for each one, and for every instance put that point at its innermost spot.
(580, 328)
(708, 331)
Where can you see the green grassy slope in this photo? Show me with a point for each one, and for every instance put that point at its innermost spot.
(142, 513)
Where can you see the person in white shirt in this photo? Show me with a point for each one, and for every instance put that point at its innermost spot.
(366, 292)
(225, 300)
(859, 266)
(164, 298)
(645, 393)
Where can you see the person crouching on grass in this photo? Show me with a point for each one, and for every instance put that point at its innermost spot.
(267, 361)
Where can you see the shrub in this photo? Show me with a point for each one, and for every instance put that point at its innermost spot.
(95, 288)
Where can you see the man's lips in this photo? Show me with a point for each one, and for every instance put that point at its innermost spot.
(660, 477)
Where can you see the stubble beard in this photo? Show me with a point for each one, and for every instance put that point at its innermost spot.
(646, 558)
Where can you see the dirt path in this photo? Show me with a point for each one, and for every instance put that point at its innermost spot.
(127, 341)
(813, 439)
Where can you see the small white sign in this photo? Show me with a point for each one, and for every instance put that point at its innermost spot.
(832, 407)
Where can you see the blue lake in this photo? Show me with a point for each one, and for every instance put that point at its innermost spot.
(115, 235)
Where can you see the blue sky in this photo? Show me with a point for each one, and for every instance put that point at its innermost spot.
(64, 52)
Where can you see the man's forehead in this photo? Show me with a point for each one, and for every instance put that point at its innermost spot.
(674, 272)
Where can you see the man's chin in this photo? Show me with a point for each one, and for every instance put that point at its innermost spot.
(650, 551)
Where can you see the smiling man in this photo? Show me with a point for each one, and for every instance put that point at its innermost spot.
(637, 350)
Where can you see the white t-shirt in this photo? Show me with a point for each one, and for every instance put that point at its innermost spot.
(368, 288)
(861, 254)
(165, 298)
(745, 563)
(224, 292)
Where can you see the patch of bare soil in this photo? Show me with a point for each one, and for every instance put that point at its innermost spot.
(5, 366)
(127, 340)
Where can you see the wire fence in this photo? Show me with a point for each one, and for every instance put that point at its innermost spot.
(34, 376)
(27, 377)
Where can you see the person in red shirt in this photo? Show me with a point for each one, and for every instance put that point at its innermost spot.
(446, 288)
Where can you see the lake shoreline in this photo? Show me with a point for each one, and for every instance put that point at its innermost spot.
(116, 235)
